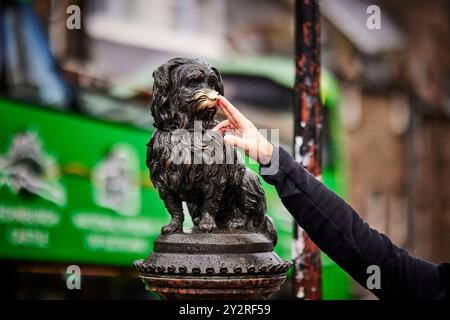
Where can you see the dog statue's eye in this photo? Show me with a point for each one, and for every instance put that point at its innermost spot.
(212, 83)
(194, 82)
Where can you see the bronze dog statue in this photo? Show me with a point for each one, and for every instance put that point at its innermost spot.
(218, 194)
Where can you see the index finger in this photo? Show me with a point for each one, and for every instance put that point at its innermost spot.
(235, 115)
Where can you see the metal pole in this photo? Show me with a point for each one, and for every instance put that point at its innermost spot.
(307, 131)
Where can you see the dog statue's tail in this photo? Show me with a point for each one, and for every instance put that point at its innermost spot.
(269, 228)
(255, 205)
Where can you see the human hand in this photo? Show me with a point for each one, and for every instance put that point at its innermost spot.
(244, 134)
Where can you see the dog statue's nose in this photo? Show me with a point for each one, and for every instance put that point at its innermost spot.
(212, 95)
(205, 99)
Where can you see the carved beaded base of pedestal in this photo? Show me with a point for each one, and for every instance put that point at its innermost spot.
(220, 265)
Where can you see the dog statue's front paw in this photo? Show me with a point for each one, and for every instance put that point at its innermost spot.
(174, 226)
(236, 223)
(207, 223)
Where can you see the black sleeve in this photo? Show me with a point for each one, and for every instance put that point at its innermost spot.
(339, 232)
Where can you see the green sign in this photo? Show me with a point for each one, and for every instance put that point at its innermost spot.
(75, 189)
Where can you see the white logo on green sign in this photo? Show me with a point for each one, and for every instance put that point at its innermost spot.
(26, 168)
(117, 181)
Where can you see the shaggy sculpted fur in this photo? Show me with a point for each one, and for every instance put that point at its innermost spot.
(218, 195)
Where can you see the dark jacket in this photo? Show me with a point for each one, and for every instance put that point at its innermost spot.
(339, 232)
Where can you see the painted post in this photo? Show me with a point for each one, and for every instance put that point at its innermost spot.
(307, 131)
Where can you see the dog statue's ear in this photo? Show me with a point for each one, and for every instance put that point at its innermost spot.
(162, 78)
(219, 76)
(161, 86)
(163, 74)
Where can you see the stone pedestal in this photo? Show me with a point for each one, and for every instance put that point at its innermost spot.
(220, 265)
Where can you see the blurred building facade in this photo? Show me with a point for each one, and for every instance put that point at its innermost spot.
(396, 108)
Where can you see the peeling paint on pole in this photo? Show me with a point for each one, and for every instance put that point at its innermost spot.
(307, 144)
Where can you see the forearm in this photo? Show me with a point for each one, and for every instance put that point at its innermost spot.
(338, 230)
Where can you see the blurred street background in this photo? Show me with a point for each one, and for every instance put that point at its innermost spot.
(75, 87)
